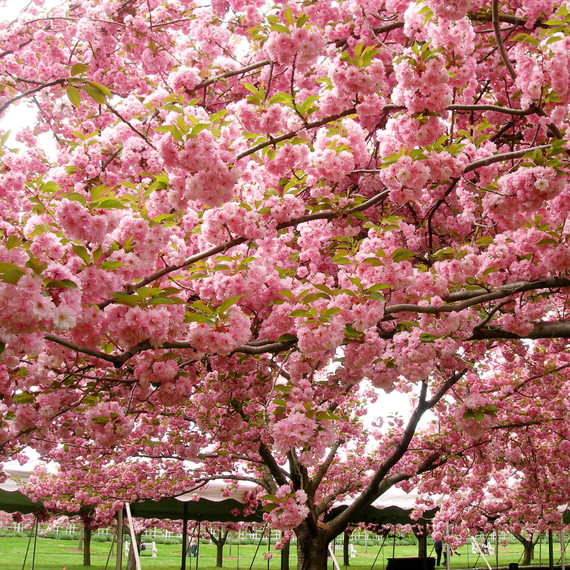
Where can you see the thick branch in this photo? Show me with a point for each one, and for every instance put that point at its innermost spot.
(499, 39)
(326, 215)
(317, 479)
(470, 298)
(276, 472)
(314, 125)
(81, 349)
(550, 329)
(382, 479)
(31, 92)
(502, 157)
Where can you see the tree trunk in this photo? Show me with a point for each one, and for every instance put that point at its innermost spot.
(220, 542)
(528, 542)
(421, 535)
(312, 550)
(528, 552)
(219, 554)
(86, 545)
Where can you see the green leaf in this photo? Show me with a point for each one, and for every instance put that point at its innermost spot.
(228, 303)
(374, 261)
(62, 284)
(300, 313)
(377, 296)
(547, 241)
(81, 252)
(95, 93)
(102, 88)
(76, 196)
(314, 297)
(100, 420)
(324, 289)
(111, 265)
(199, 318)
(287, 293)
(78, 68)
(196, 129)
(402, 254)
(12, 242)
(24, 398)
(286, 338)
(108, 204)
(74, 96)
(126, 299)
(201, 306)
(526, 38)
(378, 287)
(161, 301)
(10, 273)
(328, 313)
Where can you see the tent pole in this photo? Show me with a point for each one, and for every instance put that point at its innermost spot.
(134, 545)
(550, 550)
(378, 553)
(184, 537)
(119, 557)
(35, 543)
(111, 549)
(198, 546)
(447, 551)
(258, 545)
(268, 546)
(27, 550)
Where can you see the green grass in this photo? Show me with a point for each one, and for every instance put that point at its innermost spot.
(63, 554)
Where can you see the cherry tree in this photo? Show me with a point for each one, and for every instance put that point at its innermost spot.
(510, 473)
(249, 213)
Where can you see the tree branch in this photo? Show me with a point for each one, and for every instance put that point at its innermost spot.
(232, 73)
(470, 298)
(499, 39)
(317, 479)
(31, 92)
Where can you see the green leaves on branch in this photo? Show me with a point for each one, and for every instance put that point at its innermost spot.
(10, 273)
(75, 85)
(362, 56)
(206, 314)
(480, 413)
(148, 297)
(277, 25)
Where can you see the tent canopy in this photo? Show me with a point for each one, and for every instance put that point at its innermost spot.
(11, 499)
(16, 502)
(224, 502)
(212, 502)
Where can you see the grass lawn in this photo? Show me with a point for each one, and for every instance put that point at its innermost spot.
(63, 555)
